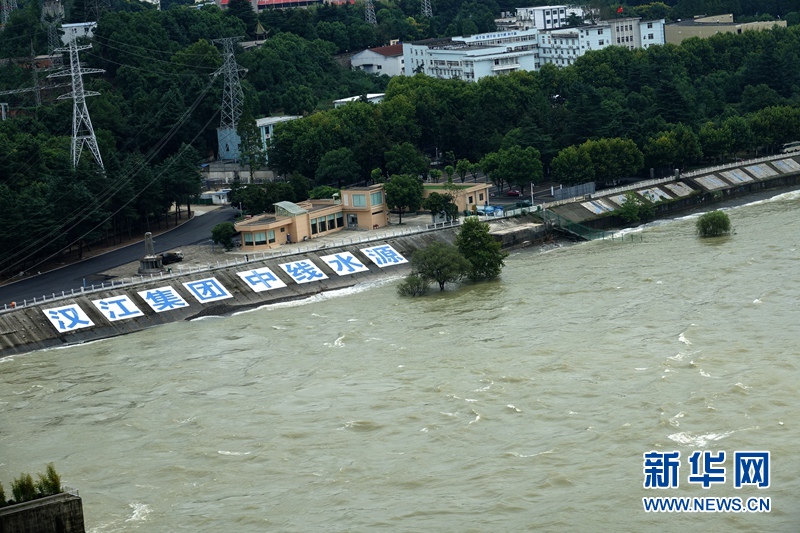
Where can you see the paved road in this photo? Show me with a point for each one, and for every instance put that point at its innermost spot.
(71, 276)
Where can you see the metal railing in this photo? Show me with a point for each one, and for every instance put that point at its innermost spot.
(227, 262)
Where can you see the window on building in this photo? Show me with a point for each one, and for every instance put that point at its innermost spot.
(314, 226)
(248, 238)
(649, 25)
(469, 200)
(271, 235)
(321, 224)
(359, 200)
(601, 42)
(600, 32)
(376, 198)
(618, 40)
(480, 197)
(260, 237)
(649, 35)
(339, 220)
(380, 67)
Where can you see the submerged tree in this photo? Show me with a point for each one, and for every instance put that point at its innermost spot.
(713, 224)
(440, 262)
(483, 253)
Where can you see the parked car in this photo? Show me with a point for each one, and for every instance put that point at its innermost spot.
(171, 257)
(512, 192)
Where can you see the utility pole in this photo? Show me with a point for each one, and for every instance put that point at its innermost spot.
(232, 101)
(82, 130)
(369, 13)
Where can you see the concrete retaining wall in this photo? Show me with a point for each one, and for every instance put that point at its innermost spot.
(62, 513)
(28, 329)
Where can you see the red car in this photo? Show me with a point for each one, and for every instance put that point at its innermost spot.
(512, 192)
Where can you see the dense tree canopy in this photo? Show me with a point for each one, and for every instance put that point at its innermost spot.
(664, 107)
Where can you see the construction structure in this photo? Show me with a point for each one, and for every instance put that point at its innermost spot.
(232, 101)
(427, 10)
(82, 130)
(369, 13)
(6, 7)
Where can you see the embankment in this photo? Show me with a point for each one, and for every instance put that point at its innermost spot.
(43, 326)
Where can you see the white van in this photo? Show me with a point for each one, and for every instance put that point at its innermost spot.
(790, 147)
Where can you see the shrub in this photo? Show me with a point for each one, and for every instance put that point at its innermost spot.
(23, 488)
(2, 496)
(50, 482)
(413, 285)
(713, 224)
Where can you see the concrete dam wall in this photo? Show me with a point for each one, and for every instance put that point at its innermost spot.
(101, 314)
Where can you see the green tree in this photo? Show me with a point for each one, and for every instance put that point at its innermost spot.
(440, 205)
(251, 148)
(484, 253)
(715, 140)
(338, 167)
(413, 285)
(23, 488)
(223, 234)
(629, 211)
(440, 262)
(404, 191)
(449, 170)
(2, 496)
(572, 166)
(323, 191)
(713, 224)
(435, 174)
(613, 158)
(242, 10)
(50, 482)
(462, 168)
(406, 159)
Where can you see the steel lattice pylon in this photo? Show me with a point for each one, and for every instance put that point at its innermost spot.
(369, 12)
(51, 21)
(232, 101)
(82, 130)
(427, 10)
(6, 7)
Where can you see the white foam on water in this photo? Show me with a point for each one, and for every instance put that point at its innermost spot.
(684, 340)
(322, 296)
(514, 408)
(225, 452)
(674, 421)
(140, 512)
(208, 317)
(700, 441)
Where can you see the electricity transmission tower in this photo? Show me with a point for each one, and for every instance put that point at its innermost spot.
(232, 101)
(369, 13)
(82, 130)
(51, 21)
(6, 7)
(427, 10)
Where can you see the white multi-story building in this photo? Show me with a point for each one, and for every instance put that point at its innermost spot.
(547, 17)
(383, 60)
(473, 57)
(492, 54)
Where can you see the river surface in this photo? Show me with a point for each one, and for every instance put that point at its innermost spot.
(523, 404)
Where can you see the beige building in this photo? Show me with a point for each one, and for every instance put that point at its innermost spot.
(357, 208)
(466, 194)
(705, 27)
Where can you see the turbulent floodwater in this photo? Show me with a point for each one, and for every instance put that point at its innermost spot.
(518, 405)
